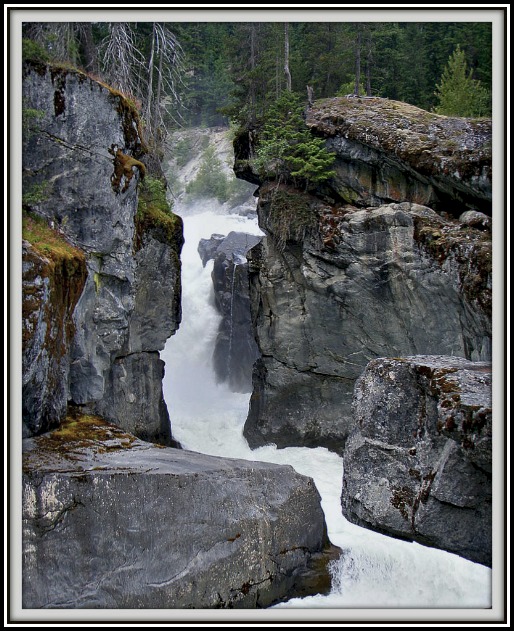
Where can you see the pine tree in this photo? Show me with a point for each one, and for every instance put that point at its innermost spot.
(458, 93)
(287, 149)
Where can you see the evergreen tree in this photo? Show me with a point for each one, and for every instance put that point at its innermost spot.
(287, 149)
(458, 93)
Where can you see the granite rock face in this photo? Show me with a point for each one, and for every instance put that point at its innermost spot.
(81, 166)
(236, 350)
(372, 262)
(358, 284)
(418, 464)
(110, 521)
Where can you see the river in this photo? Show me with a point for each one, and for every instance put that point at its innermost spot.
(375, 571)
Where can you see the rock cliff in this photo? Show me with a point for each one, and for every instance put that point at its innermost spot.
(418, 464)
(362, 266)
(334, 287)
(388, 151)
(82, 161)
(236, 350)
(53, 277)
(110, 521)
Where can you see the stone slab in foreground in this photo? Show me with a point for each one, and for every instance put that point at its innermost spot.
(418, 464)
(110, 521)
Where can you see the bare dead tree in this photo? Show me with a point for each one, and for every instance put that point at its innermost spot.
(122, 62)
(165, 71)
(154, 82)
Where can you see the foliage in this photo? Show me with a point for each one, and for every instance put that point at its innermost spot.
(290, 217)
(210, 181)
(287, 149)
(349, 87)
(204, 73)
(33, 51)
(458, 93)
(152, 194)
(181, 151)
(35, 194)
(29, 116)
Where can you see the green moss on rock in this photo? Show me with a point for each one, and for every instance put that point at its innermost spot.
(53, 258)
(154, 214)
(80, 432)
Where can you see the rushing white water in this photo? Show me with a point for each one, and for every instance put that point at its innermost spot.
(375, 571)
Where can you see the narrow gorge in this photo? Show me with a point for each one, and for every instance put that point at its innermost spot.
(111, 505)
(196, 373)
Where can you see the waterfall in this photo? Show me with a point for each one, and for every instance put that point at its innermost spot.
(374, 571)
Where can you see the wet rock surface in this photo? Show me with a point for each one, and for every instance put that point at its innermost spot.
(50, 290)
(418, 463)
(81, 156)
(236, 350)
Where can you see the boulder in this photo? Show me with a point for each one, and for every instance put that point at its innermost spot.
(418, 464)
(389, 151)
(475, 219)
(110, 521)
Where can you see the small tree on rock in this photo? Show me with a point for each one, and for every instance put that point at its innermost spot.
(287, 149)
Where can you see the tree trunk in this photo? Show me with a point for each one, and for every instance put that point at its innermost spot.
(157, 100)
(149, 88)
(358, 61)
(286, 56)
(368, 63)
(87, 46)
(253, 98)
(310, 96)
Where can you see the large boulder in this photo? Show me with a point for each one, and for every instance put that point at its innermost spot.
(110, 521)
(389, 151)
(418, 464)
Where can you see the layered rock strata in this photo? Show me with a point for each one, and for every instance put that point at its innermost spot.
(389, 151)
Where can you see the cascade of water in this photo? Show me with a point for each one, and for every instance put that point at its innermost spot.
(375, 570)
